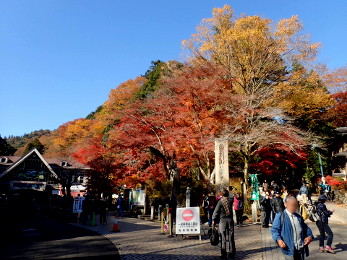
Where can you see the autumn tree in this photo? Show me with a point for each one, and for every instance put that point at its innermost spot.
(337, 114)
(258, 57)
(336, 79)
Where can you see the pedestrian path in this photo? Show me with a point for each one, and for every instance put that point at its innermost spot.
(141, 240)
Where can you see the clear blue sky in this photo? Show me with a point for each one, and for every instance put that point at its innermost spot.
(60, 58)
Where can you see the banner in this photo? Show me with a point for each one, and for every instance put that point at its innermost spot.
(255, 186)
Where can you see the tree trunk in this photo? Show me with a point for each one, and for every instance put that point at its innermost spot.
(246, 176)
(68, 190)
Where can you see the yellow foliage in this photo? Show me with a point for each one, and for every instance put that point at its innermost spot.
(122, 94)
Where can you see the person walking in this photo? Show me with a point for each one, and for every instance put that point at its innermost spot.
(224, 212)
(212, 201)
(102, 211)
(309, 194)
(303, 192)
(290, 232)
(277, 203)
(265, 208)
(272, 213)
(238, 207)
(120, 212)
(323, 225)
(205, 207)
(265, 186)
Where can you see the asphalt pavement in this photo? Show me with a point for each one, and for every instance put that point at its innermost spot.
(49, 239)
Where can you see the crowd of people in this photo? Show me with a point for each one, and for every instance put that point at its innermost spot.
(281, 210)
(284, 211)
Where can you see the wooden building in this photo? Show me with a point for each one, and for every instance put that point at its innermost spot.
(34, 173)
(339, 153)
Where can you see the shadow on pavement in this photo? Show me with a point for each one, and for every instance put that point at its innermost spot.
(49, 239)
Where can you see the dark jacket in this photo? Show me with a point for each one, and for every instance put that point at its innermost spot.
(277, 204)
(220, 211)
(284, 231)
(323, 212)
(212, 202)
(265, 204)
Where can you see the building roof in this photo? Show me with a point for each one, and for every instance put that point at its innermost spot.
(51, 164)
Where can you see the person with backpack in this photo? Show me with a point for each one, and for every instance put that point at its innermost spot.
(323, 225)
(238, 207)
(290, 231)
(224, 212)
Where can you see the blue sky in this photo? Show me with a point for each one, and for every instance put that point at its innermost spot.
(60, 58)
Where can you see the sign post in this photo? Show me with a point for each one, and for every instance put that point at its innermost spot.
(188, 221)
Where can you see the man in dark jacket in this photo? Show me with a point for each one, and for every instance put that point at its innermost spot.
(224, 212)
(323, 225)
(290, 232)
(265, 207)
(277, 203)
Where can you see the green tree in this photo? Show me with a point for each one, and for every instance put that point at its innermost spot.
(6, 148)
(34, 144)
(152, 75)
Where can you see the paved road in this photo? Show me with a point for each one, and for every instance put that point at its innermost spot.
(141, 240)
(48, 239)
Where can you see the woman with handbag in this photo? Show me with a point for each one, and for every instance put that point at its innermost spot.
(224, 212)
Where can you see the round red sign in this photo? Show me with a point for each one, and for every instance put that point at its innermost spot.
(188, 215)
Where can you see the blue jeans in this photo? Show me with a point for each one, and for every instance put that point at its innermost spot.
(324, 228)
(210, 213)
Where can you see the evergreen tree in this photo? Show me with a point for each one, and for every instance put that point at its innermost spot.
(34, 144)
(6, 148)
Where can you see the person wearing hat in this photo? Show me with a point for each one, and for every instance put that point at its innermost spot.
(277, 203)
(323, 225)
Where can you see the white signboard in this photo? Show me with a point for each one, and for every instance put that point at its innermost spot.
(77, 204)
(139, 197)
(188, 221)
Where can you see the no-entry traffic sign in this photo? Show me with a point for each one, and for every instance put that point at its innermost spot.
(188, 220)
(187, 215)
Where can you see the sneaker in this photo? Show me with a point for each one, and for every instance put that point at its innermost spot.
(329, 249)
(322, 249)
